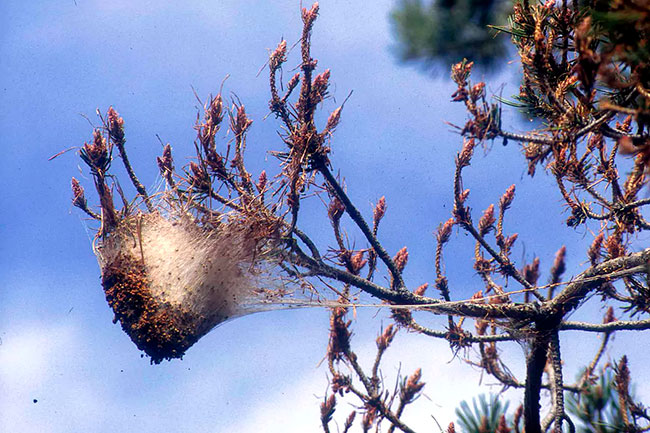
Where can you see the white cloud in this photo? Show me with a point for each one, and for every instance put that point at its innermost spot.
(24, 355)
(292, 408)
(37, 391)
(295, 407)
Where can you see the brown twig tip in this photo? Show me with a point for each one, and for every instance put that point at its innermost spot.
(412, 387)
(278, 56)
(460, 72)
(594, 253)
(559, 265)
(401, 258)
(380, 210)
(369, 418)
(96, 154)
(199, 178)
(327, 409)
(507, 198)
(463, 196)
(614, 245)
(622, 383)
(214, 112)
(477, 92)
(421, 290)
(319, 87)
(626, 126)
(291, 85)
(240, 123)
(503, 425)
(622, 378)
(207, 130)
(166, 164)
(609, 316)
(357, 262)
(78, 196)
(333, 120)
(339, 344)
(460, 212)
(478, 297)
(444, 231)
(349, 421)
(115, 125)
(384, 340)
(466, 153)
(486, 223)
(262, 181)
(509, 242)
(596, 141)
(79, 199)
(335, 210)
(308, 16)
(531, 272)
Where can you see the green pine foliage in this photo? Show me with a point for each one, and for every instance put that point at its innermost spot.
(596, 408)
(444, 32)
(484, 416)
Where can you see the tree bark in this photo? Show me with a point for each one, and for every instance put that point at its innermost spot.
(534, 371)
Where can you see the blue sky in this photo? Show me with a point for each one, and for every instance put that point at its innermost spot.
(61, 61)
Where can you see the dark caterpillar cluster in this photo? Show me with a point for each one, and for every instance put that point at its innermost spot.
(160, 329)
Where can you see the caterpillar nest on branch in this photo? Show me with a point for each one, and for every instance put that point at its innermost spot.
(170, 280)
